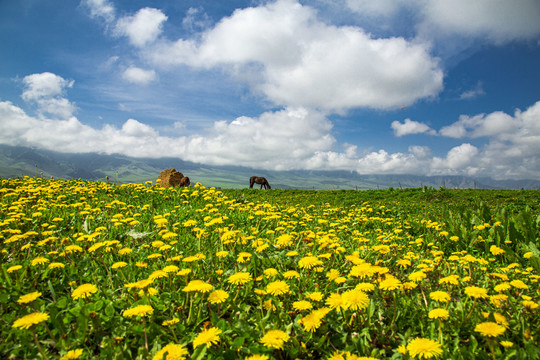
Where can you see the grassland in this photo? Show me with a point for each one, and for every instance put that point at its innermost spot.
(91, 269)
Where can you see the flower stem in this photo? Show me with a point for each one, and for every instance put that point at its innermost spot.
(39, 346)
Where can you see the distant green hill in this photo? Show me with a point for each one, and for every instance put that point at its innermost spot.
(23, 161)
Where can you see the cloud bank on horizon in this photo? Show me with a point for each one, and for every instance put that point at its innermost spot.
(304, 70)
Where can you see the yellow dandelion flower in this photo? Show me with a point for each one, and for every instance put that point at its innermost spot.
(56, 265)
(417, 276)
(28, 298)
(274, 339)
(531, 305)
(365, 287)
(171, 352)
(309, 262)
(170, 322)
(40, 260)
(31, 319)
(72, 354)
(362, 270)
(502, 287)
(476, 292)
(518, 284)
(390, 283)
(302, 305)
(270, 272)
(207, 337)
(402, 349)
(355, 300)
(312, 321)
(335, 301)
(14, 268)
(490, 329)
(183, 272)
(125, 251)
(495, 250)
(291, 274)
(442, 296)
(284, 241)
(140, 310)
(452, 280)
(257, 357)
(424, 348)
(197, 286)
(158, 274)
(218, 296)
(403, 263)
(439, 314)
(239, 278)
(171, 269)
(507, 344)
(84, 291)
(332, 274)
(278, 288)
(314, 296)
(118, 265)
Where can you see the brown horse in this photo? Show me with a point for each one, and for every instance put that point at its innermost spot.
(259, 180)
(184, 182)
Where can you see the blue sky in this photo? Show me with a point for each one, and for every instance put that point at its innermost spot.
(440, 87)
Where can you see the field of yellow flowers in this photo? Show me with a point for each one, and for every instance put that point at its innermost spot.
(97, 270)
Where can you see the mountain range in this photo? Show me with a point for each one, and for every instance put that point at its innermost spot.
(18, 161)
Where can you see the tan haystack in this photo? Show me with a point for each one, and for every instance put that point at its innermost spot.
(170, 177)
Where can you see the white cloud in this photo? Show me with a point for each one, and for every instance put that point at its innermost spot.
(101, 9)
(375, 8)
(293, 138)
(477, 91)
(46, 90)
(462, 159)
(287, 54)
(409, 127)
(139, 76)
(195, 19)
(492, 125)
(143, 27)
(496, 20)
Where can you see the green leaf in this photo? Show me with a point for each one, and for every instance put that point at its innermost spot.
(62, 302)
(199, 352)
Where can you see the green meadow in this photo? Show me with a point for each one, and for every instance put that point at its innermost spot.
(97, 270)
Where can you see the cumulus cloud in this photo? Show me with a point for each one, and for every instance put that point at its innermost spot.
(274, 140)
(291, 57)
(292, 138)
(409, 127)
(139, 76)
(47, 90)
(143, 27)
(495, 124)
(375, 8)
(101, 9)
(195, 19)
(496, 20)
